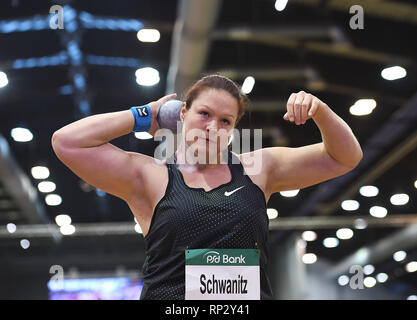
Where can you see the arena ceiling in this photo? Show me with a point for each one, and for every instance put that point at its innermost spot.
(56, 76)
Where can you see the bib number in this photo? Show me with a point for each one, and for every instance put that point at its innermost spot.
(222, 274)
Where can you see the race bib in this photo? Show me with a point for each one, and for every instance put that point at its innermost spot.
(222, 274)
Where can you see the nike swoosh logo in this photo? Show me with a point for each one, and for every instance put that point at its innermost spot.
(228, 193)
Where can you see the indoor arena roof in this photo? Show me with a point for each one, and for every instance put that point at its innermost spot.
(56, 76)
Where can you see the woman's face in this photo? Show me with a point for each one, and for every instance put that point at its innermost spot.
(209, 122)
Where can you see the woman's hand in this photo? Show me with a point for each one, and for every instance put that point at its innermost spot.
(302, 106)
(155, 105)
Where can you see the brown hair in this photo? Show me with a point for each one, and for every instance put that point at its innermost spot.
(220, 83)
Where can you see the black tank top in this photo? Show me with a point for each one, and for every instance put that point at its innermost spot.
(192, 218)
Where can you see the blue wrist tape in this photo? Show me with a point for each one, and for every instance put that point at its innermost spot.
(143, 118)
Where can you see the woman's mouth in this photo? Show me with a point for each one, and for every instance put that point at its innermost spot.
(207, 139)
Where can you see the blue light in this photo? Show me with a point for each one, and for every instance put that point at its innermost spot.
(79, 81)
(71, 26)
(18, 64)
(59, 59)
(74, 53)
(37, 22)
(31, 62)
(90, 21)
(100, 193)
(88, 284)
(114, 61)
(65, 90)
(69, 13)
(84, 107)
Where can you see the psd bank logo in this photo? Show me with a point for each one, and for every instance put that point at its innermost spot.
(214, 257)
(211, 257)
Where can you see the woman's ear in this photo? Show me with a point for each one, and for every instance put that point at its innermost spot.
(183, 111)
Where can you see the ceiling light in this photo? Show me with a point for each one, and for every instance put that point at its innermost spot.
(344, 233)
(289, 193)
(381, 277)
(378, 212)
(343, 280)
(147, 76)
(248, 85)
(11, 227)
(393, 73)
(368, 269)
(148, 35)
(411, 266)
(138, 229)
(62, 220)
(309, 258)
(272, 213)
(40, 172)
(143, 135)
(363, 107)
(369, 191)
(415, 184)
(3, 79)
(331, 242)
(399, 255)
(399, 199)
(350, 205)
(369, 282)
(53, 200)
(280, 4)
(25, 243)
(309, 235)
(46, 186)
(67, 229)
(21, 134)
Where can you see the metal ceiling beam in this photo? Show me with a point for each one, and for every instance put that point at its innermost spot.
(333, 33)
(315, 223)
(82, 229)
(392, 10)
(282, 223)
(191, 42)
(302, 38)
(19, 187)
(307, 77)
(372, 174)
(404, 239)
(24, 195)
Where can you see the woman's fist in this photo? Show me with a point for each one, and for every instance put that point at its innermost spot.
(302, 106)
(155, 105)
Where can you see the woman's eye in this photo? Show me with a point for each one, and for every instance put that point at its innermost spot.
(204, 112)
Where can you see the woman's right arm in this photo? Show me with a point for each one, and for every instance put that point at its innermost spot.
(83, 146)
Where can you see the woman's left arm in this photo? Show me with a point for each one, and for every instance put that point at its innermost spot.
(296, 168)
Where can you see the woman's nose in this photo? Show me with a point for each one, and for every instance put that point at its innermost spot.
(212, 126)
